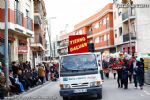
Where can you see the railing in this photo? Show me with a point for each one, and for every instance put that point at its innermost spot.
(90, 33)
(125, 16)
(126, 37)
(18, 17)
(29, 23)
(128, 14)
(40, 40)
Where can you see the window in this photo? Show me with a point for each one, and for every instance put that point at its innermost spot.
(119, 12)
(96, 26)
(108, 36)
(17, 4)
(27, 13)
(107, 22)
(104, 21)
(80, 32)
(97, 40)
(100, 39)
(114, 15)
(105, 38)
(100, 23)
(120, 31)
(115, 33)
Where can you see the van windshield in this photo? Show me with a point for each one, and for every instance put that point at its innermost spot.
(76, 63)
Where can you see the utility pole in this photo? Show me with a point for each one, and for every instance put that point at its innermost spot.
(129, 26)
(6, 43)
(49, 34)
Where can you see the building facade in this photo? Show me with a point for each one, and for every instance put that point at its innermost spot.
(20, 29)
(38, 43)
(63, 42)
(99, 30)
(132, 29)
(131, 26)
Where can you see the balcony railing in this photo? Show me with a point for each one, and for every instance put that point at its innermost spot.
(90, 33)
(125, 16)
(126, 37)
(18, 17)
(29, 23)
(128, 14)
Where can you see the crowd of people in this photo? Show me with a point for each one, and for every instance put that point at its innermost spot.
(22, 77)
(131, 70)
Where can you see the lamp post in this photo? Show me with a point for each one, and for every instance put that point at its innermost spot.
(6, 42)
(49, 35)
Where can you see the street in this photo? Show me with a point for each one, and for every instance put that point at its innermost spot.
(110, 92)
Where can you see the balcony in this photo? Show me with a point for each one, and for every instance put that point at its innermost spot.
(128, 15)
(29, 23)
(38, 12)
(18, 17)
(125, 16)
(126, 37)
(89, 33)
(37, 18)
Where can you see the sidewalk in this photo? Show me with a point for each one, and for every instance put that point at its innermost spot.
(29, 91)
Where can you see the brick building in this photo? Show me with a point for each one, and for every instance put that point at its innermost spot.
(20, 29)
(99, 30)
(38, 43)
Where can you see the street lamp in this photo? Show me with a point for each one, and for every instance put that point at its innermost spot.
(49, 35)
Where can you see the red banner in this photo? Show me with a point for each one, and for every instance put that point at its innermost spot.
(78, 44)
(22, 50)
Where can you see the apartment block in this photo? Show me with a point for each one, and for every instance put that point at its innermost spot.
(131, 26)
(20, 29)
(38, 43)
(99, 30)
(63, 42)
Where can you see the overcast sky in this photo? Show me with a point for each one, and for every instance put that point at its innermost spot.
(71, 12)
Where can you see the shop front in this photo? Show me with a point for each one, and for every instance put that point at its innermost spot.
(22, 50)
(2, 47)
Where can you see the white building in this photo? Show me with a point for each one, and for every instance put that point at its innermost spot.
(132, 26)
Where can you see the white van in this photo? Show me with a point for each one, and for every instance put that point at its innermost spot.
(80, 75)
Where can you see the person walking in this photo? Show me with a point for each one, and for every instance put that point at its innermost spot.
(130, 70)
(119, 74)
(138, 73)
(125, 74)
(142, 67)
(41, 72)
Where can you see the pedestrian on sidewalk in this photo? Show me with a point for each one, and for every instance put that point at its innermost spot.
(41, 72)
(130, 70)
(114, 68)
(2, 85)
(125, 74)
(142, 67)
(119, 72)
(138, 75)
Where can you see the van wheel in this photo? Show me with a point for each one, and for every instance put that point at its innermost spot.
(99, 96)
(65, 98)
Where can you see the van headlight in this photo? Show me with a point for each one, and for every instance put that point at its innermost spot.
(64, 86)
(94, 84)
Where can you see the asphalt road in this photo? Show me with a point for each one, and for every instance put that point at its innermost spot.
(50, 91)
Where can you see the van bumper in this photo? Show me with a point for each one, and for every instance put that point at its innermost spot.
(89, 91)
